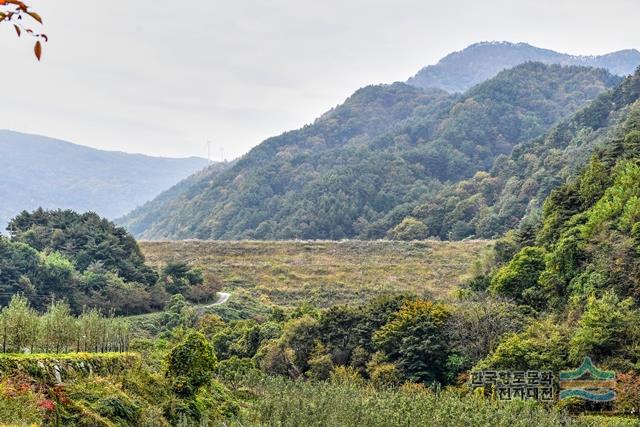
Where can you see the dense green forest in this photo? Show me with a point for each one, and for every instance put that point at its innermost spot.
(491, 203)
(90, 262)
(360, 168)
(584, 250)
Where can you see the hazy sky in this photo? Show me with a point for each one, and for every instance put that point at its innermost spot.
(161, 77)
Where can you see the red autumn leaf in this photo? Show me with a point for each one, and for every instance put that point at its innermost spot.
(38, 50)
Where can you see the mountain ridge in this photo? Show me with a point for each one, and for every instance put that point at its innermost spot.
(460, 70)
(110, 183)
(65, 143)
(354, 166)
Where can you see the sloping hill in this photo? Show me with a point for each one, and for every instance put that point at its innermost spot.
(43, 172)
(161, 209)
(461, 70)
(489, 204)
(385, 148)
(586, 244)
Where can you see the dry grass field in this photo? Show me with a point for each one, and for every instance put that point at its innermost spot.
(327, 273)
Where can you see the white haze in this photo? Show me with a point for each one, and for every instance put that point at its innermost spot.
(162, 77)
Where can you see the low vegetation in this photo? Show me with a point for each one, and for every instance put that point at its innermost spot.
(296, 403)
(172, 387)
(328, 273)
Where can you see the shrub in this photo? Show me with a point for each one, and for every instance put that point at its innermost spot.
(409, 229)
(306, 403)
(190, 364)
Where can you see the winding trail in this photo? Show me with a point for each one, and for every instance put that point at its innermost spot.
(223, 297)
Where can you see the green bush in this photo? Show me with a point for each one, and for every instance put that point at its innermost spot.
(19, 408)
(409, 229)
(191, 364)
(519, 278)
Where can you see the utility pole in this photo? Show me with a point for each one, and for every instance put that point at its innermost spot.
(209, 152)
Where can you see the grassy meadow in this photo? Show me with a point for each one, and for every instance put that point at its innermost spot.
(328, 272)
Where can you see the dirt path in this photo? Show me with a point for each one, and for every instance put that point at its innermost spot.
(224, 297)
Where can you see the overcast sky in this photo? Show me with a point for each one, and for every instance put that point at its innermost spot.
(162, 77)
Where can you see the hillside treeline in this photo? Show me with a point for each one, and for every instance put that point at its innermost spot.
(89, 262)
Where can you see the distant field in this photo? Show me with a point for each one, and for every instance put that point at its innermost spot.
(327, 273)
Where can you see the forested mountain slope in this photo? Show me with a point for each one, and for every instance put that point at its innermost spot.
(49, 173)
(576, 268)
(356, 169)
(587, 241)
(461, 70)
(161, 208)
(489, 204)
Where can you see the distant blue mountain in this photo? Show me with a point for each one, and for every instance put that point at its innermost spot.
(36, 171)
(461, 70)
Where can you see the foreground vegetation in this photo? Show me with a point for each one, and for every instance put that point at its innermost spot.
(338, 402)
(23, 329)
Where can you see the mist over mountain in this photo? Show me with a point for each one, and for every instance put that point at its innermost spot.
(44, 172)
(459, 71)
(360, 169)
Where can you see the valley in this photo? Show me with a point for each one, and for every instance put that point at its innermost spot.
(327, 273)
(457, 248)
